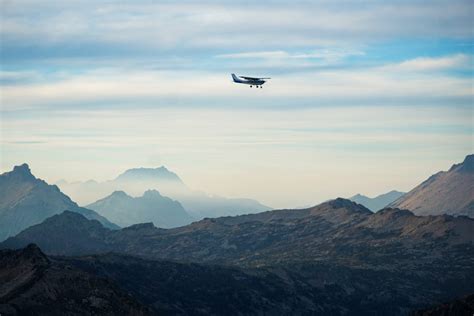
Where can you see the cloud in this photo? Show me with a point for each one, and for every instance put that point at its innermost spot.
(68, 29)
(117, 86)
(271, 152)
(322, 55)
(421, 64)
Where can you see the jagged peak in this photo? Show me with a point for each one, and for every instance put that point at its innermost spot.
(22, 168)
(466, 166)
(22, 171)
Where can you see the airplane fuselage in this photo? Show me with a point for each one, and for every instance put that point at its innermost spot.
(257, 82)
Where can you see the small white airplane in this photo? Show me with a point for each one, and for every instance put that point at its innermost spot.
(257, 82)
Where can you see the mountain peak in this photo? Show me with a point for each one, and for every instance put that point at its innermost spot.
(119, 193)
(155, 174)
(466, 166)
(33, 251)
(348, 204)
(23, 171)
(151, 193)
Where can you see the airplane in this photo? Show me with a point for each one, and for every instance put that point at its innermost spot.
(257, 82)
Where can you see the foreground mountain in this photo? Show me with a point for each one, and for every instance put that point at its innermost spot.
(26, 201)
(137, 181)
(447, 192)
(339, 253)
(32, 284)
(378, 202)
(125, 210)
(459, 307)
(192, 289)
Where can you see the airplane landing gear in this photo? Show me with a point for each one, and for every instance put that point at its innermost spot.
(250, 86)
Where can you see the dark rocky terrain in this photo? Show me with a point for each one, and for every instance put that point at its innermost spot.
(379, 202)
(172, 288)
(125, 210)
(447, 192)
(26, 201)
(459, 307)
(340, 255)
(138, 180)
(32, 284)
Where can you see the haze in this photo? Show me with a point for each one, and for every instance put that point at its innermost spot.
(365, 97)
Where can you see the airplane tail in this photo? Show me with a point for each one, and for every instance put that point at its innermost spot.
(236, 79)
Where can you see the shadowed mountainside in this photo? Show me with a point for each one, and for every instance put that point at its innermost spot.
(125, 210)
(337, 255)
(447, 192)
(32, 284)
(26, 201)
(378, 202)
(459, 307)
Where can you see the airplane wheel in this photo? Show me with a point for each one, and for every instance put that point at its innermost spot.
(250, 86)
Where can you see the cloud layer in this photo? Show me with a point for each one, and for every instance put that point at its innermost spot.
(379, 91)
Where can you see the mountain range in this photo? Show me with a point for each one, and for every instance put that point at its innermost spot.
(378, 202)
(335, 258)
(343, 256)
(125, 210)
(446, 192)
(139, 180)
(26, 201)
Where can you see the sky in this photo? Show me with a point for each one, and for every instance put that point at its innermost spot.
(365, 96)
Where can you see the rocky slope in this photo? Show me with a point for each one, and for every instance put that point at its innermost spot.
(26, 201)
(378, 202)
(339, 253)
(459, 307)
(335, 258)
(447, 192)
(172, 288)
(337, 230)
(32, 284)
(125, 210)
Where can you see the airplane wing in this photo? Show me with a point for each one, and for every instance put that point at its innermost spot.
(252, 78)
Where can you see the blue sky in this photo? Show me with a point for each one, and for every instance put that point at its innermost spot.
(379, 91)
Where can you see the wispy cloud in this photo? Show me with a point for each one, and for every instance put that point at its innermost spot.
(421, 64)
(117, 86)
(356, 86)
(322, 56)
(50, 29)
(289, 153)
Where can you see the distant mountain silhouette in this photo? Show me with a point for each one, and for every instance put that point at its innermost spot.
(378, 202)
(26, 201)
(125, 210)
(161, 174)
(338, 254)
(137, 181)
(447, 192)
